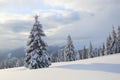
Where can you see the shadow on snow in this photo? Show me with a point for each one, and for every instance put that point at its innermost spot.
(114, 68)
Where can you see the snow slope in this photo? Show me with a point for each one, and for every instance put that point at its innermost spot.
(100, 68)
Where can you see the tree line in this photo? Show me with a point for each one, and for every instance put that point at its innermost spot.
(111, 46)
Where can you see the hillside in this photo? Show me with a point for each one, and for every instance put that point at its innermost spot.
(100, 68)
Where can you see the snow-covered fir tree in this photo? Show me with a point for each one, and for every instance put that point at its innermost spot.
(90, 51)
(95, 52)
(100, 51)
(69, 53)
(60, 55)
(103, 49)
(36, 52)
(77, 55)
(114, 44)
(108, 45)
(118, 37)
(81, 54)
(84, 53)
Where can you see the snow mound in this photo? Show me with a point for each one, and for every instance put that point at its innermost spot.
(99, 68)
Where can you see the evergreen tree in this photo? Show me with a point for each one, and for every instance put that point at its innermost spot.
(84, 53)
(36, 53)
(90, 51)
(108, 45)
(69, 53)
(95, 52)
(118, 37)
(103, 49)
(100, 51)
(114, 45)
(77, 55)
(60, 55)
(80, 53)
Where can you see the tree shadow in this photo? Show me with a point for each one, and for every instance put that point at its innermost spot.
(114, 68)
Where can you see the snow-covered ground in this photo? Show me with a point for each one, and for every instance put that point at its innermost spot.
(100, 68)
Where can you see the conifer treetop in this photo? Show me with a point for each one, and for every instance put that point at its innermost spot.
(36, 18)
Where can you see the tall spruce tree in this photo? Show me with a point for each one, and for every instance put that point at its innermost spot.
(100, 51)
(77, 55)
(36, 54)
(84, 53)
(95, 52)
(90, 51)
(69, 53)
(103, 49)
(60, 55)
(114, 45)
(118, 37)
(108, 45)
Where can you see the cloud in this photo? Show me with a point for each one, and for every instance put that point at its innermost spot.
(83, 5)
(12, 30)
(64, 16)
(84, 20)
(16, 27)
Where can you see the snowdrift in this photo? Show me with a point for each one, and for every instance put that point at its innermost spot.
(99, 68)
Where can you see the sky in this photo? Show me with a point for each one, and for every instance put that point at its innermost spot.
(85, 20)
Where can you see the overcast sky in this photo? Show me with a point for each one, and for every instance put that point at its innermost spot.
(84, 20)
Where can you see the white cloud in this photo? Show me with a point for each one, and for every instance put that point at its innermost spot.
(85, 20)
(16, 27)
(83, 5)
(4, 17)
(52, 31)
